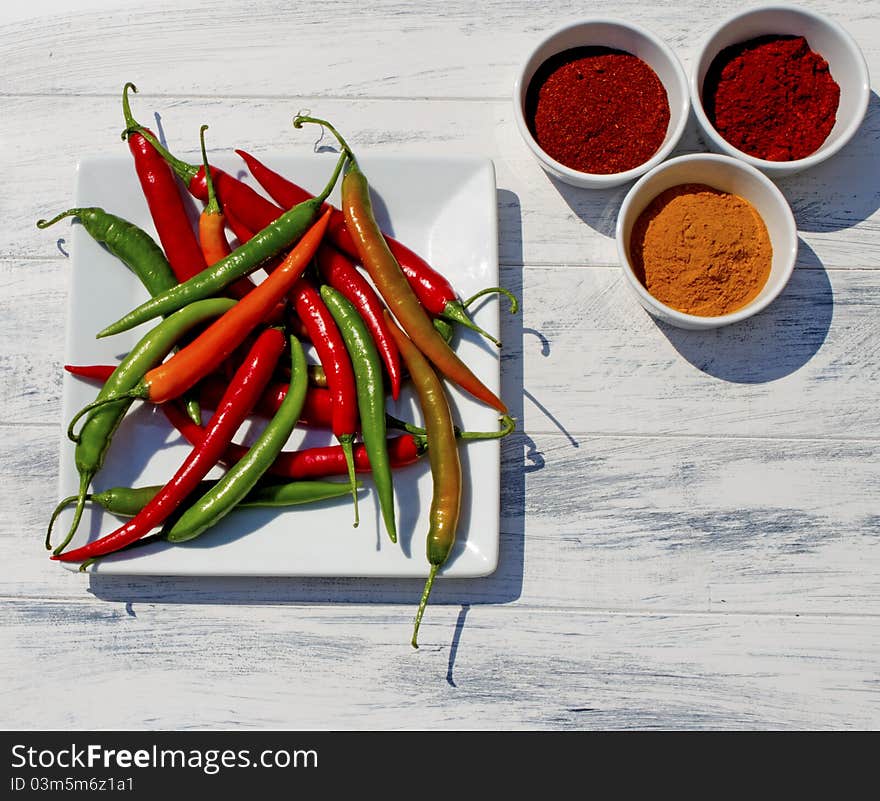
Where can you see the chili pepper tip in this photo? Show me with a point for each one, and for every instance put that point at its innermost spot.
(423, 602)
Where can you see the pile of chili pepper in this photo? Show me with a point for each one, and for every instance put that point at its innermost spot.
(225, 347)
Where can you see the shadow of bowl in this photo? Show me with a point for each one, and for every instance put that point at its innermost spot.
(773, 344)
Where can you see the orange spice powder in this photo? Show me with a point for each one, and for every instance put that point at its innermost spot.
(701, 251)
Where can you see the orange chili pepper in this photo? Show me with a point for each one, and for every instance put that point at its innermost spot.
(391, 282)
(212, 230)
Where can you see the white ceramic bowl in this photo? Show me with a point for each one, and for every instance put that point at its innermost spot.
(825, 37)
(620, 36)
(727, 175)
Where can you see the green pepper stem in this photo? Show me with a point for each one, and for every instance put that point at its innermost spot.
(58, 509)
(454, 310)
(514, 303)
(132, 394)
(423, 603)
(130, 122)
(508, 424)
(69, 213)
(325, 192)
(186, 172)
(213, 206)
(84, 480)
(299, 119)
(346, 441)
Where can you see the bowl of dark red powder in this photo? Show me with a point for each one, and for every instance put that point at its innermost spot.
(600, 102)
(780, 87)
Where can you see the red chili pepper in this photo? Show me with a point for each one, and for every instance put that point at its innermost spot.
(245, 388)
(432, 289)
(99, 372)
(165, 203)
(317, 410)
(325, 461)
(333, 355)
(246, 203)
(339, 272)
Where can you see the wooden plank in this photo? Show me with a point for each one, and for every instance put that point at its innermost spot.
(645, 523)
(542, 222)
(94, 666)
(459, 50)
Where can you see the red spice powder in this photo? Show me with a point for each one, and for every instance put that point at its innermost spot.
(772, 97)
(597, 110)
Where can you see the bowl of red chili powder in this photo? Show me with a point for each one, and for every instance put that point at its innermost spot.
(600, 102)
(780, 87)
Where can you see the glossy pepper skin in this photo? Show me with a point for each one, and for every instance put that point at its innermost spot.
(287, 230)
(212, 232)
(431, 287)
(242, 393)
(132, 245)
(327, 339)
(383, 268)
(95, 436)
(316, 411)
(235, 485)
(370, 397)
(310, 463)
(445, 463)
(211, 348)
(340, 273)
(163, 199)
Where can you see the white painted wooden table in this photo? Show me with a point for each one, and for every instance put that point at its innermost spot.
(690, 521)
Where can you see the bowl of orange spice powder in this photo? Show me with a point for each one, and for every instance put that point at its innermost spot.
(705, 241)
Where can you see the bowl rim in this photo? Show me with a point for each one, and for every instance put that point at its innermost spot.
(825, 150)
(695, 320)
(611, 178)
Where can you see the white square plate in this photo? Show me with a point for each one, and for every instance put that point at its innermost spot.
(444, 209)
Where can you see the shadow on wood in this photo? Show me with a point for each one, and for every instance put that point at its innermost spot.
(773, 344)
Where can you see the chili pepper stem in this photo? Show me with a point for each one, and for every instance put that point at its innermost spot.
(137, 392)
(423, 603)
(81, 498)
(346, 442)
(514, 303)
(508, 424)
(455, 311)
(213, 206)
(69, 213)
(186, 172)
(299, 119)
(58, 509)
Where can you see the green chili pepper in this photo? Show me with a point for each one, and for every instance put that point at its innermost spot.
(134, 246)
(128, 501)
(136, 249)
(275, 237)
(370, 395)
(94, 438)
(243, 476)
